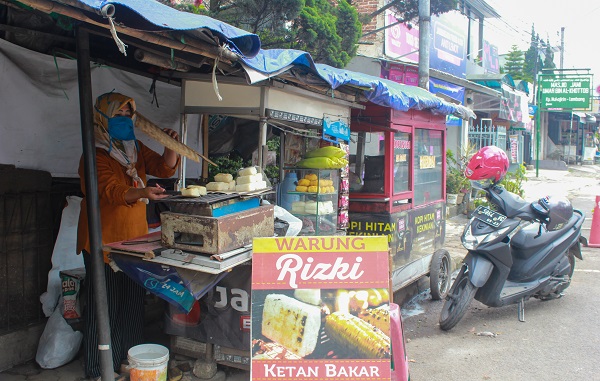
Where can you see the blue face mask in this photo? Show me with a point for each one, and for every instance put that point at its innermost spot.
(121, 128)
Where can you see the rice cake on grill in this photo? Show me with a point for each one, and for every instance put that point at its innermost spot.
(291, 323)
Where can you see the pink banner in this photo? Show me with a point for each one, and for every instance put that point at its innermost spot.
(320, 308)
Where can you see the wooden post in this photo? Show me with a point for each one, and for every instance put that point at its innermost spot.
(205, 120)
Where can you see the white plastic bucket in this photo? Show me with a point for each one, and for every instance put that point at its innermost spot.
(148, 362)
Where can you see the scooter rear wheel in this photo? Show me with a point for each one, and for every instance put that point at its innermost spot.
(460, 296)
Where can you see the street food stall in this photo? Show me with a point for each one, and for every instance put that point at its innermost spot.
(397, 189)
(203, 238)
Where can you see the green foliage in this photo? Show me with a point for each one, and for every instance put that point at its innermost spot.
(549, 60)
(531, 55)
(329, 33)
(455, 178)
(328, 30)
(267, 18)
(512, 182)
(514, 63)
(272, 171)
(229, 163)
(455, 169)
(408, 10)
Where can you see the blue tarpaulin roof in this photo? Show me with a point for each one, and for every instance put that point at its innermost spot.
(273, 62)
(377, 90)
(167, 18)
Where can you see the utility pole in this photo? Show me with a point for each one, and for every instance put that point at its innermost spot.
(424, 42)
(562, 46)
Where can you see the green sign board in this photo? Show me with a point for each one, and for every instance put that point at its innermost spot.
(565, 91)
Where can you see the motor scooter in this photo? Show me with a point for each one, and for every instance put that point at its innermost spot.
(516, 250)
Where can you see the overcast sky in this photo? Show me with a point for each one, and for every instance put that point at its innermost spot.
(581, 19)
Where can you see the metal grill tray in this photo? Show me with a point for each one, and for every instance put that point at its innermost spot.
(206, 205)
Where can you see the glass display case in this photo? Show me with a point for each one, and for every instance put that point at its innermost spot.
(314, 199)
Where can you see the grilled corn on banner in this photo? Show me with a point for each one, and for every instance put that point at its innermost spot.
(320, 308)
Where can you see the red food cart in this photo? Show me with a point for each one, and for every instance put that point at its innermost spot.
(397, 188)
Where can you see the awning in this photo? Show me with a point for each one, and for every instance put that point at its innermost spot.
(275, 62)
(584, 117)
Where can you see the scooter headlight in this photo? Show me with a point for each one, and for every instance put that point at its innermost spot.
(471, 241)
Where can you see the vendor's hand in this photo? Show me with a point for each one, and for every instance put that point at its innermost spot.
(172, 133)
(155, 193)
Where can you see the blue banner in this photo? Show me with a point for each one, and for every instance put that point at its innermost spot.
(449, 47)
(335, 128)
(453, 91)
(162, 281)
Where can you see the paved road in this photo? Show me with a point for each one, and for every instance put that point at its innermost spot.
(560, 339)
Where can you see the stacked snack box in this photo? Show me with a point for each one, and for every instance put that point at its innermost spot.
(344, 192)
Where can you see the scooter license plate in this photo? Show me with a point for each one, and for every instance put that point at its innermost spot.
(488, 216)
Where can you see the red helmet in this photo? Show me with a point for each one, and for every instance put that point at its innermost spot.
(489, 163)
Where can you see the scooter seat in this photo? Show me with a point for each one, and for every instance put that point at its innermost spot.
(526, 242)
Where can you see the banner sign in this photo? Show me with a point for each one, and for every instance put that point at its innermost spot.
(401, 42)
(453, 91)
(565, 91)
(448, 48)
(224, 316)
(315, 303)
(412, 234)
(336, 129)
(491, 61)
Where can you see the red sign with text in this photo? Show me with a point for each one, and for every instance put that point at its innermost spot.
(320, 308)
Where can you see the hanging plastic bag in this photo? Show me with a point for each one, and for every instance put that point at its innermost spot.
(64, 256)
(59, 343)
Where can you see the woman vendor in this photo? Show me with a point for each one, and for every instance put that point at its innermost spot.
(122, 165)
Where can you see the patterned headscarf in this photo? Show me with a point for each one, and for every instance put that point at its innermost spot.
(125, 152)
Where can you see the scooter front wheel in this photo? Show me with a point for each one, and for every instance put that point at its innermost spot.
(460, 296)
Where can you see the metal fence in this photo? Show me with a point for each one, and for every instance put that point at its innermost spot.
(486, 134)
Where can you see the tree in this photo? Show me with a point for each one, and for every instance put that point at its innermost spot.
(514, 63)
(328, 31)
(407, 11)
(549, 59)
(531, 56)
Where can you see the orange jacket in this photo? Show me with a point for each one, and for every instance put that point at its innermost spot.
(119, 220)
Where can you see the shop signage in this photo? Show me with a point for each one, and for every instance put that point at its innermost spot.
(453, 91)
(225, 310)
(401, 42)
(338, 129)
(411, 234)
(426, 161)
(310, 301)
(283, 115)
(491, 62)
(565, 91)
(448, 49)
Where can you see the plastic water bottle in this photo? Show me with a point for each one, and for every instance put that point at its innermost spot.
(288, 185)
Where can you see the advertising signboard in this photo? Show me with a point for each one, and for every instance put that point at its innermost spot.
(565, 91)
(317, 308)
(400, 41)
(491, 61)
(449, 46)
